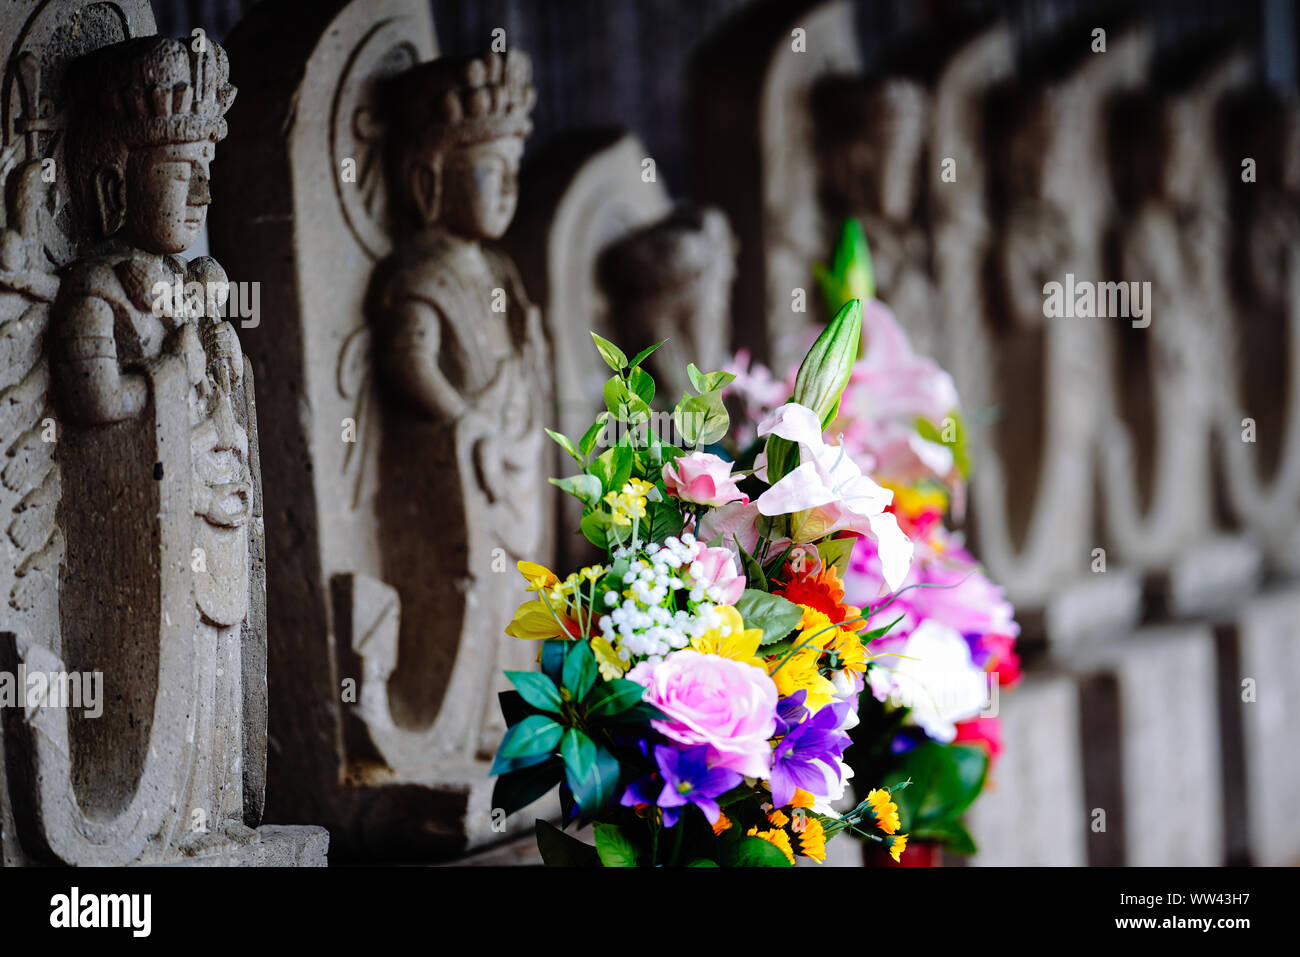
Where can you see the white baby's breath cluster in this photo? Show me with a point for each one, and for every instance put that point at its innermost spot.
(644, 622)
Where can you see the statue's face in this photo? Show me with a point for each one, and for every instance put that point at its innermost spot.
(480, 187)
(167, 195)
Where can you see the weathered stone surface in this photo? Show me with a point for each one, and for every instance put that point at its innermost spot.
(752, 95)
(1170, 230)
(1270, 722)
(1152, 749)
(1032, 812)
(411, 381)
(1260, 427)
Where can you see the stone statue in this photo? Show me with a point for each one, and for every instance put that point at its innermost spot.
(1263, 476)
(1173, 234)
(161, 584)
(871, 142)
(672, 280)
(752, 85)
(403, 391)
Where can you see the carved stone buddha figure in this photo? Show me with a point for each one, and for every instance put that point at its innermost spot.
(137, 366)
(462, 357)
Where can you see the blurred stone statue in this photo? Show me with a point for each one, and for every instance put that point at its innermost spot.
(872, 138)
(672, 280)
(462, 356)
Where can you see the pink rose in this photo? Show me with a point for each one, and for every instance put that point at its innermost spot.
(716, 568)
(702, 478)
(726, 704)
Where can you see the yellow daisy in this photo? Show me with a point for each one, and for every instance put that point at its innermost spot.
(812, 840)
(897, 846)
(885, 809)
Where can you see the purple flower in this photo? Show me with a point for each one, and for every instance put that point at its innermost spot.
(808, 757)
(687, 779)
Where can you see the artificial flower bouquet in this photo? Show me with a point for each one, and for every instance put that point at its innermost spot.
(698, 685)
(931, 716)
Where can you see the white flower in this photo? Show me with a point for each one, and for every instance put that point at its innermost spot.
(934, 675)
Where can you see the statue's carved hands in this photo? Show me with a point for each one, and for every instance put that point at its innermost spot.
(221, 345)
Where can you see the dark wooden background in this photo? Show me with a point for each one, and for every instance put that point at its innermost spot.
(624, 62)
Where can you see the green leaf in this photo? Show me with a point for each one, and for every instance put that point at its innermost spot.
(586, 488)
(702, 862)
(708, 381)
(624, 404)
(754, 573)
(518, 789)
(536, 734)
(553, 651)
(588, 441)
(614, 848)
(661, 520)
(782, 458)
(952, 834)
(645, 353)
(537, 689)
(595, 528)
(753, 852)
(590, 771)
(611, 353)
(946, 779)
(563, 850)
(613, 467)
(565, 443)
(580, 670)
(642, 385)
(701, 419)
(836, 551)
(870, 636)
(774, 614)
(642, 713)
(613, 697)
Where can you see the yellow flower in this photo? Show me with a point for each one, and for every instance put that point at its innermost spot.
(897, 846)
(630, 502)
(721, 824)
(802, 799)
(777, 838)
(801, 671)
(817, 628)
(611, 665)
(534, 621)
(739, 643)
(812, 840)
(537, 576)
(778, 817)
(885, 809)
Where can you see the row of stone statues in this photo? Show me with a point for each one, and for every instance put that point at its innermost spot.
(295, 594)
(1166, 439)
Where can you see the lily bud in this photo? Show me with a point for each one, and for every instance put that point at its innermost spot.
(826, 368)
(850, 275)
(821, 381)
